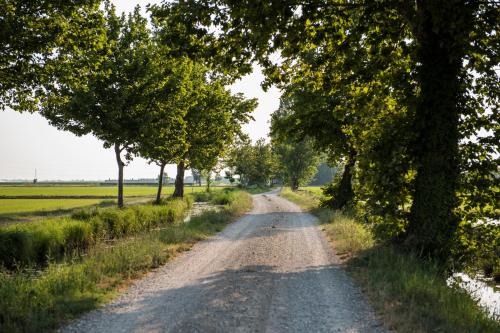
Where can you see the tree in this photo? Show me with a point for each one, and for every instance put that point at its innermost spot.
(254, 164)
(110, 104)
(298, 161)
(162, 133)
(37, 38)
(450, 48)
(212, 125)
(196, 176)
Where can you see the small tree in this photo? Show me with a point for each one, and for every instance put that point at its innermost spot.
(253, 163)
(298, 161)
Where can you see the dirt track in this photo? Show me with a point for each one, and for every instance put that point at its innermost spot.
(271, 271)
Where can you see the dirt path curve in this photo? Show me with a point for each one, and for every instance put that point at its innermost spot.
(271, 271)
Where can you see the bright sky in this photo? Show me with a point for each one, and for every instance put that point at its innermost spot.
(27, 141)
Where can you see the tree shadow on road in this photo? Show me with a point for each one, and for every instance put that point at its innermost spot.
(249, 299)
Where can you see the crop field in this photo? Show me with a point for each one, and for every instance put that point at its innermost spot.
(14, 206)
(98, 191)
(62, 199)
(78, 190)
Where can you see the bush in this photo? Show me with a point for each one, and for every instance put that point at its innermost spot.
(37, 242)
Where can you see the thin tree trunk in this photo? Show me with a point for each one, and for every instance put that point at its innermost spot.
(208, 182)
(432, 222)
(160, 184)
(120, 174)
(179, 181)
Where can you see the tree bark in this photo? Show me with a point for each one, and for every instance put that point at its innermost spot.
(342, 194)
(179, 181)
(120, 174)
(294, 184)
(209, 181)
(160, 184)
(432, 222)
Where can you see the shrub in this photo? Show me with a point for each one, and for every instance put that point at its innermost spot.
(37, 242)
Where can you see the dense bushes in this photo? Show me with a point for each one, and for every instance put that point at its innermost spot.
(37, 242)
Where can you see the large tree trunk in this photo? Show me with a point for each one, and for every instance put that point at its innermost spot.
(432, 221)
(345, 193)
(179, 181)
(160, 184)
(120, 174)
(294, 184)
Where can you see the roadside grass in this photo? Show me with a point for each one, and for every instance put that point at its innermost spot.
(306, 200)
(410, 295)
(316, 190)
(41, 300)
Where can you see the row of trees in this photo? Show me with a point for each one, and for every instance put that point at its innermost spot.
(405, 94)
(141, 91)
(289, 162)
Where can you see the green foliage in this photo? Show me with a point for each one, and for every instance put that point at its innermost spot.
(297, 161)
(254, 164)
(37, 39)
(410, 92)
(477, 246)
(214, 123)
(40, 302)
(39, 242)
(415, 297)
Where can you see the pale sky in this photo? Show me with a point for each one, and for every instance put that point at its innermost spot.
(27, 141)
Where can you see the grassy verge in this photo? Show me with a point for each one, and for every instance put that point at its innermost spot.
(34, 243)
(410, 295)
(37, 301)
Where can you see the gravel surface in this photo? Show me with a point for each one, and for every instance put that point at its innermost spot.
(271, 271)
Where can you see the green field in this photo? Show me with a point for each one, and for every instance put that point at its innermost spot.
(12, 210)
(129, 191)
(78, 190)
(14, 206)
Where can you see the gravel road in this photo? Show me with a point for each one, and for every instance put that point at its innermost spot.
(271, 271)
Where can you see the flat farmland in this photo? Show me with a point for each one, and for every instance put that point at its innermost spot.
(72, 191)
(15, 206)
(25, 203)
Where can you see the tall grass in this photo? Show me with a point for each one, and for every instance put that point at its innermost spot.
(410, 294)
(35, 243)
(38, 301)
(305, 199)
